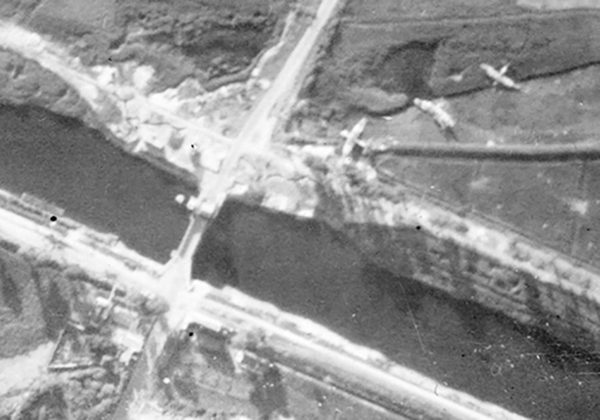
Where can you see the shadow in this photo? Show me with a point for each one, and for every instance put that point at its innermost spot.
(370, 297)
(406, 69)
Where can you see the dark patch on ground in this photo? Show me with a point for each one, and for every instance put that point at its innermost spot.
(406, 69)
(311, 271)
(377, 44)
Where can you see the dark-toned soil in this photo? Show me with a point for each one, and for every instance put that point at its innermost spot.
(207, 39)
(306, 268)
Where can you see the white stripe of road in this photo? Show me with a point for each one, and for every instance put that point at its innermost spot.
(258, 129)
(206, 307)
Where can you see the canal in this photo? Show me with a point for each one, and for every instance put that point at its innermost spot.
(73, 166)
(308, 269)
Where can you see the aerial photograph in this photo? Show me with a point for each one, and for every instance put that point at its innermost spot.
(300, 209)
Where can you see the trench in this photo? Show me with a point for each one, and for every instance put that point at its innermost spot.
(64, 162)
(307, 268)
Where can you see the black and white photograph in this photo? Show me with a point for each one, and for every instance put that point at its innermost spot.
(299, 209)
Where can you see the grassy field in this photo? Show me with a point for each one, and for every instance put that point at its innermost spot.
(429, 50)
(556, 204)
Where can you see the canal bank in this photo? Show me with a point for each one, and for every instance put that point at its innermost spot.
(63, 161)
(308, 269)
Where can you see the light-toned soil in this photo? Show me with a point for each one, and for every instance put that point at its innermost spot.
(19, 372)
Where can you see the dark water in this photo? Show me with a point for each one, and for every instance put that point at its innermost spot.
(63, 161)
(306, 268)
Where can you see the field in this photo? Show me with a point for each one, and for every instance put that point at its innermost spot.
(429, 49)
(385, 53)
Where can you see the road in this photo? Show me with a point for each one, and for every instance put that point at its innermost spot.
(256, 133)
(348, 367)
(72, 249)
(217, 307)
(258, 128)
(253, 138)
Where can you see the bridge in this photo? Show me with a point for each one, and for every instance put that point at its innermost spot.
(220, 155)
(129, 114)
(254, 138)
